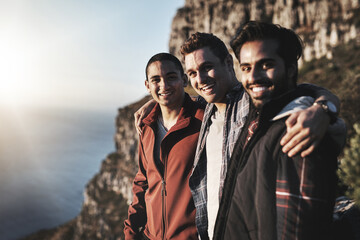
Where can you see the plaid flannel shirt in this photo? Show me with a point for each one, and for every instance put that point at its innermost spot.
(237, 109)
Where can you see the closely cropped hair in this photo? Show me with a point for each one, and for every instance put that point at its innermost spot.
(164, 57)
(290, 44)
(200, 40)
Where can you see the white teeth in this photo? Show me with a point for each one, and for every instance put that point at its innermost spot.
(164, 94)
(258, 89)
(207, 87)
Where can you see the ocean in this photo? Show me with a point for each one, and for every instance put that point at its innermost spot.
(46, 158)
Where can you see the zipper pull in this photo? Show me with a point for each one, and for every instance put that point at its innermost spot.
(164, 187)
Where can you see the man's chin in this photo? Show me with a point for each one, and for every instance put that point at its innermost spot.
(258, 103)
(208, 98)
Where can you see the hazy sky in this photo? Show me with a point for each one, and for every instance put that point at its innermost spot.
(79, 53)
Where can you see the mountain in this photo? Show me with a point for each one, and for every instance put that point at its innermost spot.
(331, 33)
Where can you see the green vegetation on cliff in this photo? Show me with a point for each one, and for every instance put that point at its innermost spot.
(349, 171)
(341, 75)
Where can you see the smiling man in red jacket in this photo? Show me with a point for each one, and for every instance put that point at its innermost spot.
(162, 206)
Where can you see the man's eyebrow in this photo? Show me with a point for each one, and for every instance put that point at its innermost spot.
(158, 76)
(205, 63)
(258, 62)
(266, 60)
(189, 70)
(155, 76)
(200, 65)
(170, 73)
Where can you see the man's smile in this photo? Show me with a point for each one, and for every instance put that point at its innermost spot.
(207, 88)
(259, 90)
(164, 94)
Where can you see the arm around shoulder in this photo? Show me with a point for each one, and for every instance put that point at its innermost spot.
(320, 93)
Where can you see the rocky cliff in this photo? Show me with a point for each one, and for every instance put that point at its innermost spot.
(322, 24)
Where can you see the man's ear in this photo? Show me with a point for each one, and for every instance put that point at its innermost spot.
(291, 71)
(229, 62)
(185, 80)
(147, 85)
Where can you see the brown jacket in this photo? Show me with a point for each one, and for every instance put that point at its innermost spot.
(162, 205)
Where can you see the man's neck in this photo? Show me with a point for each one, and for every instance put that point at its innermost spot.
(169, 116)
(221, 107)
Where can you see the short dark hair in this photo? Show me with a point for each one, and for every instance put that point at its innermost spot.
(200, 40)
(164, 57)
(290, 44)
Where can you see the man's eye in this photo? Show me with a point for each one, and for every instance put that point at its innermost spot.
(155, 80)
(172, 78)
(245, 69)
(268, 65)
(207, 68)
(192, 74)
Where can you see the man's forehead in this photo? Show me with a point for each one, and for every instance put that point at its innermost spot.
(261, 47)
(199, 56)
(163, 65)
(162, 68)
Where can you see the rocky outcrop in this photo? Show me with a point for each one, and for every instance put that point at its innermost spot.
(108, 194)
(321, 24)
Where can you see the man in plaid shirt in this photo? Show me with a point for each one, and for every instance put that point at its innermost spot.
(268, 194)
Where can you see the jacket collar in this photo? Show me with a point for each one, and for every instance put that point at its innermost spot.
(276, 105)
(234, 91)
(184, 117)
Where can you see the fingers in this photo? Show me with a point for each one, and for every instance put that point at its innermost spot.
(290, 134)
(308, 151)
(298, 143)
(140, 114)
(304, 131)
(298, 148)
(292, 119)
(292, 130)
(138, 130)
(137, 121)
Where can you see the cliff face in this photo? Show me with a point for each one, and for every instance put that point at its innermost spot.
(322, 24)
(109, 193)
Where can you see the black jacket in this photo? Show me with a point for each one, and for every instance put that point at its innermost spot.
(268, 195)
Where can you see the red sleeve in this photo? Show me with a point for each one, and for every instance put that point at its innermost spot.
(137, 209)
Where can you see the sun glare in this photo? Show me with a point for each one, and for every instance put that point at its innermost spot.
(16, 72)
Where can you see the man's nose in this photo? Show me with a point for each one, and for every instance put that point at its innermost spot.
(164, 84)
(202, 78)
(254, 75)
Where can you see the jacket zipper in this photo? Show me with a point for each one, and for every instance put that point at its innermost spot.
(163, 193)
(163, 196)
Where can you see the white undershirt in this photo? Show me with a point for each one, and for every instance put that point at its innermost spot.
(214, 156)
(159, 136)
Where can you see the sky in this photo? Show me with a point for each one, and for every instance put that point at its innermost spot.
(87, 54)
